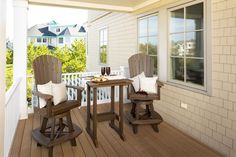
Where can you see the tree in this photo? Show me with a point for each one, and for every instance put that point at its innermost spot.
(9, 56)
(73, 60)
(33, 52)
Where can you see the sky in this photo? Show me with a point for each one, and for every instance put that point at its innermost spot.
(44, 14)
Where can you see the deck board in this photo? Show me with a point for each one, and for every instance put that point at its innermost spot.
(169, 142)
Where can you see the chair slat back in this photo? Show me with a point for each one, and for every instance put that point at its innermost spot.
(47, 68)
(139, 63)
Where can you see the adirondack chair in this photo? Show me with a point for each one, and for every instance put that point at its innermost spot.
(48, 68)
(142, 111)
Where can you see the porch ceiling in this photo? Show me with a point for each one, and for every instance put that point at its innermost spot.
(111, 5)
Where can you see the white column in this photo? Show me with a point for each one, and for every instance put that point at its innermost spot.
(20, 51)
(2, 72)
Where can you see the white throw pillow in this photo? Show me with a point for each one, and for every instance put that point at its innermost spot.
(44, 89)
(136, 81)
(148, 84)
(59, 93)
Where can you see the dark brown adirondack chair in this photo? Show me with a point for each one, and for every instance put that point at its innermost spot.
(48, 68)
(142, 111)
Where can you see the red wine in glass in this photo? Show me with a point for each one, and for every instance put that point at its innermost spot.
(108, 71)
(103, 71)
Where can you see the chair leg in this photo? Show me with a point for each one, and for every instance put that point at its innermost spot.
(137, 112)
(39, 145)
(71, 129)
(52, 129)
(44, 125)
(133, 110)
(135, 128)
(151, 111)
(154, 126)
(50, 152)
(148, 110)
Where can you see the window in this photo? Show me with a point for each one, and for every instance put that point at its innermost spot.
(32, 40)
(58, 30)
(148, 36)
(68, 39)
(44, 40)
(103, 46)
(60, 41)
(186, 45)
(50, 40)
(39, 40)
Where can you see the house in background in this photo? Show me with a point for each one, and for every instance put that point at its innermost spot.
(54, 35)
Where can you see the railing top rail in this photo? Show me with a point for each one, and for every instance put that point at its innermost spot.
(12, 89)
(81, 73)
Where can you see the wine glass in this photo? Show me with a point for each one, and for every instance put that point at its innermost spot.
(108, 71)
(103, 71)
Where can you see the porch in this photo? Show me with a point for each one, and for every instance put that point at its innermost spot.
(169, 142)
(210, 116)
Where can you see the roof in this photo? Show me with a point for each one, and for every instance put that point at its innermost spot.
(82, 29)
(40, 30)
(45, 30)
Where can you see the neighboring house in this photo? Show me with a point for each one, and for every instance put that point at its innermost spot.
(9, 45)
(200, 73)
(54, 35)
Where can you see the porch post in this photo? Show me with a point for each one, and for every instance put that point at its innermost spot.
(20, 51)
(2, 72)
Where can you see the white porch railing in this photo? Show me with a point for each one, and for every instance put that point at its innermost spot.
(76, 79)
(12, 115)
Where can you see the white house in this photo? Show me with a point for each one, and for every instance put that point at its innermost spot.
(54, 35)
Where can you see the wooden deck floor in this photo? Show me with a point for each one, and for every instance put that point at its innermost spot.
(169, 142)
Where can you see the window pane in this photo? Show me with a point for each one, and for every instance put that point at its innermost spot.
(101, 36)
(177, 44)
(177, 68)
(60, 40)
(155, 64)
(152, 45)
(194, 44)
(143, 27)
(105, 35)
(195, 71)
(143, 45)
(103, 54)
(177, 21)
(39, 40)
(194, 17)
(152, 26)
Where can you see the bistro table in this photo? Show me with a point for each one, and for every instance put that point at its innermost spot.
(107, 116)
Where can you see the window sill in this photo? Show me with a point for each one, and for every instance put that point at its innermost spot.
(192, 89)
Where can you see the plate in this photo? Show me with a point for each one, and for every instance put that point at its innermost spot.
(99, 79)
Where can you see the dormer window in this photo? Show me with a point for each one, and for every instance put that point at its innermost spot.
(58, 30)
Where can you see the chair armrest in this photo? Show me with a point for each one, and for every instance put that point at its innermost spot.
(46, 97)
(75, 87)
(159, 83)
